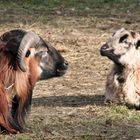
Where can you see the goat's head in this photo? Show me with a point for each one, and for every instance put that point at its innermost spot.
(123, 47)
(27, 46)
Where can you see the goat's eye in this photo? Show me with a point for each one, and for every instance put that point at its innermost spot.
(138, 44)
(28, 53)
(123, 39)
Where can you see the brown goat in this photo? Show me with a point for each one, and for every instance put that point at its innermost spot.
(25, 58)
(123, 82)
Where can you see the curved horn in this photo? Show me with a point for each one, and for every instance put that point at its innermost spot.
(30, 39)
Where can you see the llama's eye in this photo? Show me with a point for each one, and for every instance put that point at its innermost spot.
(123, 39)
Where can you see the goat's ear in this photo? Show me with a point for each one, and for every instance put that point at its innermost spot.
(138, 44)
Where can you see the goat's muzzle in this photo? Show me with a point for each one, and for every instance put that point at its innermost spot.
(62, 68)
(104, 49)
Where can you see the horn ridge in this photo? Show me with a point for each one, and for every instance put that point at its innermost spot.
(30, 39)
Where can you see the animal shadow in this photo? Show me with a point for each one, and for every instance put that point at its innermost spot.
(69, 101)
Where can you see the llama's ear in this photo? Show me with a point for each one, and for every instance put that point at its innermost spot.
(137, 44)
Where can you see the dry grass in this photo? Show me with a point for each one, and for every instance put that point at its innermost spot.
(71, 107)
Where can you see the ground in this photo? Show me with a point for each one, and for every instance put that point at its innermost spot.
(71, 107)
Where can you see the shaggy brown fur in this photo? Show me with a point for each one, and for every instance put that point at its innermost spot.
(21, 86)
(16, 86)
